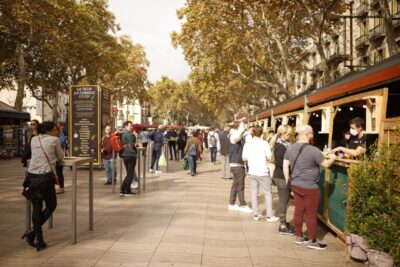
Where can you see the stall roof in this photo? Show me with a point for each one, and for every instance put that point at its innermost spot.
(7, 111)
(378, 75)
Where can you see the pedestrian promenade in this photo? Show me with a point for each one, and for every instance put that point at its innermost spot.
(179, 221)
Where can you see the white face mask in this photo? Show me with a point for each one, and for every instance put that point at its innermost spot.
(353, 132)
(347, 136)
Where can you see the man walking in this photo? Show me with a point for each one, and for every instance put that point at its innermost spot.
(304, 160)
(129, 154)
(256, 152)
(158, 142)
(224, 152)
(237, 168)
(107, 152)
(213, 143)
(171, 136)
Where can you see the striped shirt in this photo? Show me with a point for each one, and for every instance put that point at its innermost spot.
(51, 145)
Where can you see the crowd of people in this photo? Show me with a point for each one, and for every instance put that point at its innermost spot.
(244, 152)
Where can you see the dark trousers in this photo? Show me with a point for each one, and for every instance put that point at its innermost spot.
(172, 149)
(130, 163)
(155, 157)
(40, 215)
(213, 151)
(192, 164)
(283, 193)
(306, 201)
(237, 189)
(60, 174)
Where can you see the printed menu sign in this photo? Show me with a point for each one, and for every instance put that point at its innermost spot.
(84, 122)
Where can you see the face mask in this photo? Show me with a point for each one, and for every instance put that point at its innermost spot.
(347, 136)
(353, 132)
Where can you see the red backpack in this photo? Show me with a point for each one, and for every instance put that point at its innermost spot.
(116, 141)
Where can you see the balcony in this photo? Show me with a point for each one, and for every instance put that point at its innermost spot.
(362, 9)
(337, 57)
(362, 41)
(377, 32)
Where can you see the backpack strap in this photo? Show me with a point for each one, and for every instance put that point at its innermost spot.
(294, 163)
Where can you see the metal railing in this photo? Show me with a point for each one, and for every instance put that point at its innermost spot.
(376, 31)
(362, 9)
(362, 41)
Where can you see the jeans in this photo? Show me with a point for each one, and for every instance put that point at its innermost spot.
(192, 164)
(155, 156)
(108, 169)
(40, 215)
(225, 169)
(213, 151)
(237, 189)
(306, 201)
(130, 163)
(172, 149)
(283, 193)
(266, 184)
(60, 174)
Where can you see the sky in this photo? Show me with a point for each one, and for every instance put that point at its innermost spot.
(150, 23)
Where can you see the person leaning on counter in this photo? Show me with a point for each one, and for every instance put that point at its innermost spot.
(357, 143)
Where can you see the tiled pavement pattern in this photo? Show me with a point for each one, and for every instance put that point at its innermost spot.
(179, 221)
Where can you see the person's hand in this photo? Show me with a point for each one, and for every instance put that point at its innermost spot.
(332, 156)
(335, 150)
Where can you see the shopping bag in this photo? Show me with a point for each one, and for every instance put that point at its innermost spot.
(162, 162)
(185, 164)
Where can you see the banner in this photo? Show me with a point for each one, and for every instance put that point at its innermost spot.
(84, 131)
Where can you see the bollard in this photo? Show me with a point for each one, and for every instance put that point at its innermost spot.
(113, 172)
(138, 168)
(144, 169)
(120, 171)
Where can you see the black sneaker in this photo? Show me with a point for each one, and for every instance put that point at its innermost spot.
(129, 194)
(284, 229)
(107, 183)
(317, 245)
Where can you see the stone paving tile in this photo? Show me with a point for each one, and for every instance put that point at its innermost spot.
(179, 220)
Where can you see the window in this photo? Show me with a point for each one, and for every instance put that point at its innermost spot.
(395, 7)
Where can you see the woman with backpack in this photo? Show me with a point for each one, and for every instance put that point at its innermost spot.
(191, 150)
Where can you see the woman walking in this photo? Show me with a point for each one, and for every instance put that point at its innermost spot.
(46, 151)
(191, 150)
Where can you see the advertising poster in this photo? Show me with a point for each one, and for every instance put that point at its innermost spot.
(85, 122)
(105, 108)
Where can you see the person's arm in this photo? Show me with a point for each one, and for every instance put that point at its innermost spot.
(327, 162)
(286, 165)
(59, 150)
(268, 153)
(245, 153)
(352, 152)
(236, 135)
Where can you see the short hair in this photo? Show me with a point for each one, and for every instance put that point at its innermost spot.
(235, 124)
(271, 131)
(127, 123)
(359, 122)
(195, 133)
(46, 127)
(257, 130)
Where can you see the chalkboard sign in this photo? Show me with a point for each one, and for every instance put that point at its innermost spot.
(84, 121)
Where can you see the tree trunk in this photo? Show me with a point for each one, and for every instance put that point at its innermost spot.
(21, 80)
(324, 66)
(56, 114)
(388, 23)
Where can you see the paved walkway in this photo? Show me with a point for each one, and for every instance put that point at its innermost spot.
(179, 221)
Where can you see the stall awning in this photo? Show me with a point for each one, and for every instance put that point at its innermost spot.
(7, 111)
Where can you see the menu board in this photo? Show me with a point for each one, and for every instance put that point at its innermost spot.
(84, 122)
(105, 108)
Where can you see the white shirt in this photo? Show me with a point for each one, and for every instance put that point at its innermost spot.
(256, 152)
(51, 145)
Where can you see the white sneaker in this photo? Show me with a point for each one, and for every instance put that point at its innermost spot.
(158, 172)
(151, 171)
(233, 207)
(134, 184)
(272, 219)
(245, 209)
(257, 217)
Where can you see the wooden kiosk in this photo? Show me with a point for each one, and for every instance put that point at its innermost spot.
(373, 94)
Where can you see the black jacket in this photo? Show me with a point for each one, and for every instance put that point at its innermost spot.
(279, 153)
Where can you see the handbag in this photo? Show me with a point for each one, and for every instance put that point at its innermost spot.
(185, 164)
(56, 181)
(162, 161)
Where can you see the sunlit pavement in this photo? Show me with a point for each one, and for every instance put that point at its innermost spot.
(179, 221)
